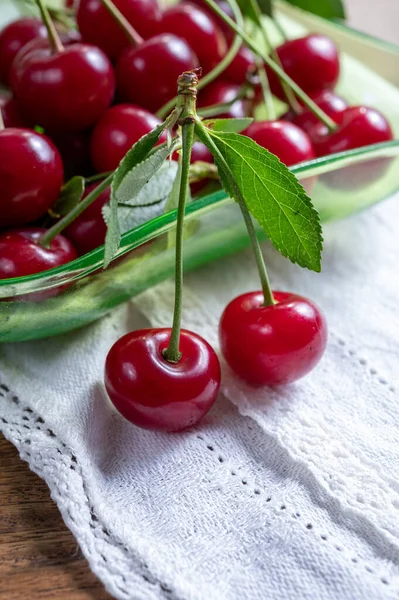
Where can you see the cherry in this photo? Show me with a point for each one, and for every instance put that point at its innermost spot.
(225, 6)
(272, 345)
(116, 132)
(199, 30)
(332, 104)
(10, 111)
(63, 91)
(147, 75)
(153, 393)
(88, 230)
(14, 37)
(238, 69)
(311, 61)
(222, 92)
(98, 27)
(21, 254)
(75, 152)
(31, 175)
(284, 139)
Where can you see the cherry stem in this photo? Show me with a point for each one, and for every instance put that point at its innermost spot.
(128, 29)
(266, 92)
(188, 83)
(2, 126)
(204, 135)
(55, 42)
(312, 106)
(279, 28)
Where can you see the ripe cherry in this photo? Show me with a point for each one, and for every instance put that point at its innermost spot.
(116, 132)
(13, 37)
(10, 111)
(153, 393)
(238, 69)
(21, 254)
(63, 91)
(332, 104)
(311, 61)
(223, 92)
(272, 345)
(88, 230)
(99, 27)
(225, 6)
(75, 152)
(31, 175)
(147, 75)
(284, 139)
(199, 30)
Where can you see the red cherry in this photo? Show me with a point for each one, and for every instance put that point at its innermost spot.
(199, 30)
(147, 75)
(98, 27)
(153, 393)
(10, 111)
(75, 152)
(334, 106)
(272, 345)
(87, 232)
(284, 139)
(311, 61)
(238, 69)
(222, 92)
(225, 6)
(66, 91)
(20, 253)
(31, 176)
(116, 132)
(14, 37)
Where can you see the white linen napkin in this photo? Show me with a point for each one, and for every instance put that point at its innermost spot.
(284, 494)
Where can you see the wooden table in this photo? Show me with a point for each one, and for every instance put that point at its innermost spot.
(39, 557)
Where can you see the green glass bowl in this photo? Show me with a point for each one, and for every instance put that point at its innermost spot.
(80, 292)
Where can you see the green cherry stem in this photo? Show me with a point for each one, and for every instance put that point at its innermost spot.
(128, 29)
(203, 134)
(308, 102)
(187, 95)
(55, 42)
(266, 92)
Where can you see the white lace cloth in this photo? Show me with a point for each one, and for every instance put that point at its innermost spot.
(286, 494)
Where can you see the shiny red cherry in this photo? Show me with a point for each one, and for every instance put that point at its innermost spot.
(238, 69)
(147, 75)
(272, 345)
(153, 393)
(199, 30)
(223, 92)
(63, 91)
(311, 61)
(225, 6)
(119, 128)
(98, 27)
(10, 111)
(13, 37)
(21, 254)
(31, 175)
(332, 104)
(284, 139)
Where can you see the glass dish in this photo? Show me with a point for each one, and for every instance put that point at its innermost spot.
(80, 292)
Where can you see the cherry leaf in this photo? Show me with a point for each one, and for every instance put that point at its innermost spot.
(70, 196)
(274, 197)
(249, 11)
(228, 125)
(329, 9)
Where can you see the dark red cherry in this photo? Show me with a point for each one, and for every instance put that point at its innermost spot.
(21, 254)
(332, 104)
(75, 152)
(64, 91)
(31, 176)
(223, 92)
(238, 69)
(272, 345)
(200, 31)
(225, 6)
(147, 75)
(119, 128)
(13, 37)
(87, 232)
(153, 393)
(98, 27)
(10, 111)
(311, 61)
(284, 139)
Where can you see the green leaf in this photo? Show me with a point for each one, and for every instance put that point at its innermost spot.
(70, 196)
(228, 125)
(274, 197)
(329, 9)
(248, 10)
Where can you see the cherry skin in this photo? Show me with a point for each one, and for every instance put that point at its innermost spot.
(10, 111)
(222, 92)
(238, 69)
(332, 104)
(31, 175)
(199, 30)
(147, 75)
(311, 61)
(225, 6)
(21, 254)
(64, 91)
(119, 128)
(75, 152)
(14, 37)
(272, 345)
(87, 231)
(153, 393)
(98, 27)
(284, 139)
